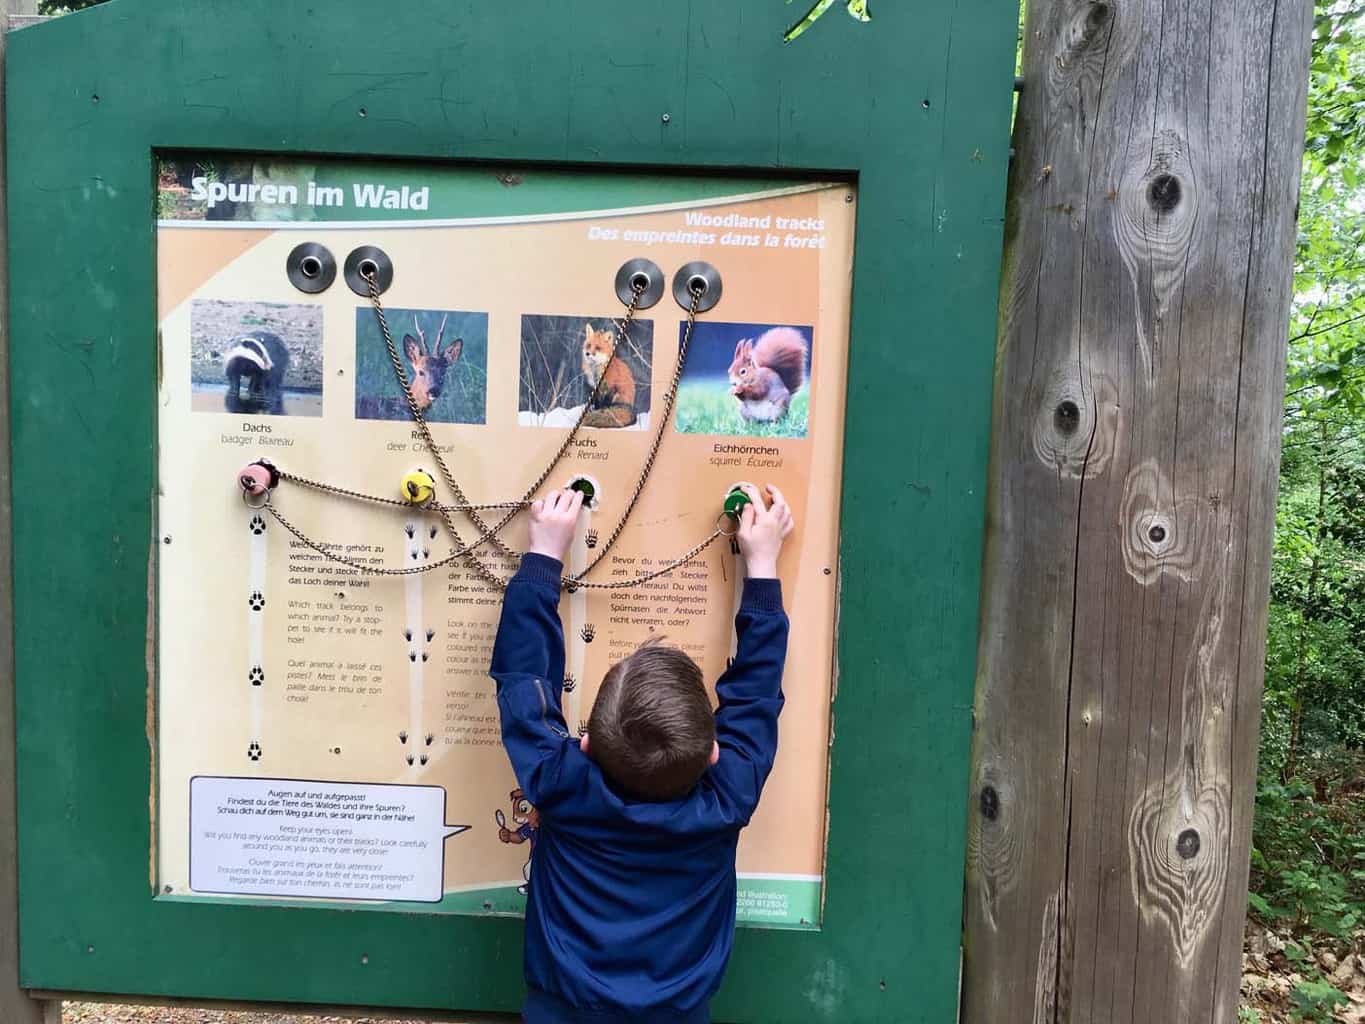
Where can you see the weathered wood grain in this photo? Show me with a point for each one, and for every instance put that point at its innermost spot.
(1134, 463)
(15, 1005)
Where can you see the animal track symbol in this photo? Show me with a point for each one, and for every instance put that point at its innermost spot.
(431, 635)
(582, 728)
(253, 752)
(407, 635)
(569, 683)
(590, 538)
(256, 600)
(403, 736)
(410, 530)
(424, 657)
(257, 525)
(410, 759)
(424, 759)
(588, 632)
(257, 676)
(412, 656)
(430, 739)
(432, 532)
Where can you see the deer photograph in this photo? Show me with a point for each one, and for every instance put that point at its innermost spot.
(444, 357)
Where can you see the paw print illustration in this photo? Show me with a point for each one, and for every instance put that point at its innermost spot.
(569, 683)
(403, 736)
(582, 727)
(257, 525)
(412, 656)
(432, 532)
(253, 752)
(407, 635)
(410, 530)
(588, 632)
(431, 635)
(424, 759)
(424, 657)
(430, 739)
(426, 553)
(590, 538)
(414, 555)
(410, 759)
(257, 676)
(256, 600)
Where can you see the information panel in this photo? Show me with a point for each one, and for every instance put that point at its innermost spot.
(326, 728)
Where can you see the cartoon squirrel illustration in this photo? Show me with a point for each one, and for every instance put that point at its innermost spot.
(614, 405)
(527, 820)
(767, 372)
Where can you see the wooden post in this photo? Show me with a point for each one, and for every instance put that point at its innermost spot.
(1135, 455)
(15, 1005)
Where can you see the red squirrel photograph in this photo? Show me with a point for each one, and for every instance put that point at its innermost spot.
(746, 379)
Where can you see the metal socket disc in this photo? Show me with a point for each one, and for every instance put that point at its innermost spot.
(644, 273)
(375, 261)
(697, 275)
(311, 268)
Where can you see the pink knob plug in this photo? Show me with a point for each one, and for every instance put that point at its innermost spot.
(255, 479)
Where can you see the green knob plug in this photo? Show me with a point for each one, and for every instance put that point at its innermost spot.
(735, 502)
(585, 488)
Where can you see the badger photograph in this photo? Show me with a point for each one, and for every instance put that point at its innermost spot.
(256, 358)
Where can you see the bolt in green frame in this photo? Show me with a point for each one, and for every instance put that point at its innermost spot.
(916, 105)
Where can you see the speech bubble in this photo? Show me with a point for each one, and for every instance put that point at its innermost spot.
(323, 840)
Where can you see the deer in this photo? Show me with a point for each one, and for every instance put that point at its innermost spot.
(429, 366)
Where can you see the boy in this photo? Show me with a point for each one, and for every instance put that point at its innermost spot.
(631, 912)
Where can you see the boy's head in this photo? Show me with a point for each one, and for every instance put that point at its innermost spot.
(651, 729)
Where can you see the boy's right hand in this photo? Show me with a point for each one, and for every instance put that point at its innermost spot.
(553, 521)
(762, 529)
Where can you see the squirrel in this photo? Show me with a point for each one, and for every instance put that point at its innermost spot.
(767, 372)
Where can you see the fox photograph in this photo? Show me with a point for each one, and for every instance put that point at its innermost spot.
(444, 356)
(749, 380)
(255, 358)
(575, 367)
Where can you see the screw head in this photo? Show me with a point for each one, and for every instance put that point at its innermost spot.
(667, 118)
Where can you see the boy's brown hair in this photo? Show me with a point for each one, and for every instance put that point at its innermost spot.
(652, 729)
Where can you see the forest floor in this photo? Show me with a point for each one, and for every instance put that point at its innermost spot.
(1270, 977)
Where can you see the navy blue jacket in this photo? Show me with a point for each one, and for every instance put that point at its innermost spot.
(631, 912)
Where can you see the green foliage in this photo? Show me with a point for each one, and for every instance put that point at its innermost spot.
(856, 9)
(1315, 1001)
(65, 6)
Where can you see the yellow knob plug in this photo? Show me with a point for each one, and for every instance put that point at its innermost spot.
(418, 487)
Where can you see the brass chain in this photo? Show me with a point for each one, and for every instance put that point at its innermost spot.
(346, 492)
(369, 570)
(492, 533)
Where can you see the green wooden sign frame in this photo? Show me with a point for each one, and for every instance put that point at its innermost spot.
(915, 106)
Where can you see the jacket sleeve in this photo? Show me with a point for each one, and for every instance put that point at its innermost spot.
(750, 695)
(528, 668)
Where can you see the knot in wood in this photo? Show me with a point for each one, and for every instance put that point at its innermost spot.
(1164, 192)
(990, 803)
(1067, 417)
(1187, 844)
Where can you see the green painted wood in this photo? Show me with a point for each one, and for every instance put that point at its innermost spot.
(915, 104)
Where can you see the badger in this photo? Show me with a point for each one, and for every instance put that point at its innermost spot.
(261, 359)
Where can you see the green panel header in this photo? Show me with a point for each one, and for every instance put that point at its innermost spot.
(246, 189)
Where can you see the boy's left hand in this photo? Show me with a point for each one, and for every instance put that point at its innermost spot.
(553, 521)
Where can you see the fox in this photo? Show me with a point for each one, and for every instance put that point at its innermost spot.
(766, 374)
(614, 403)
